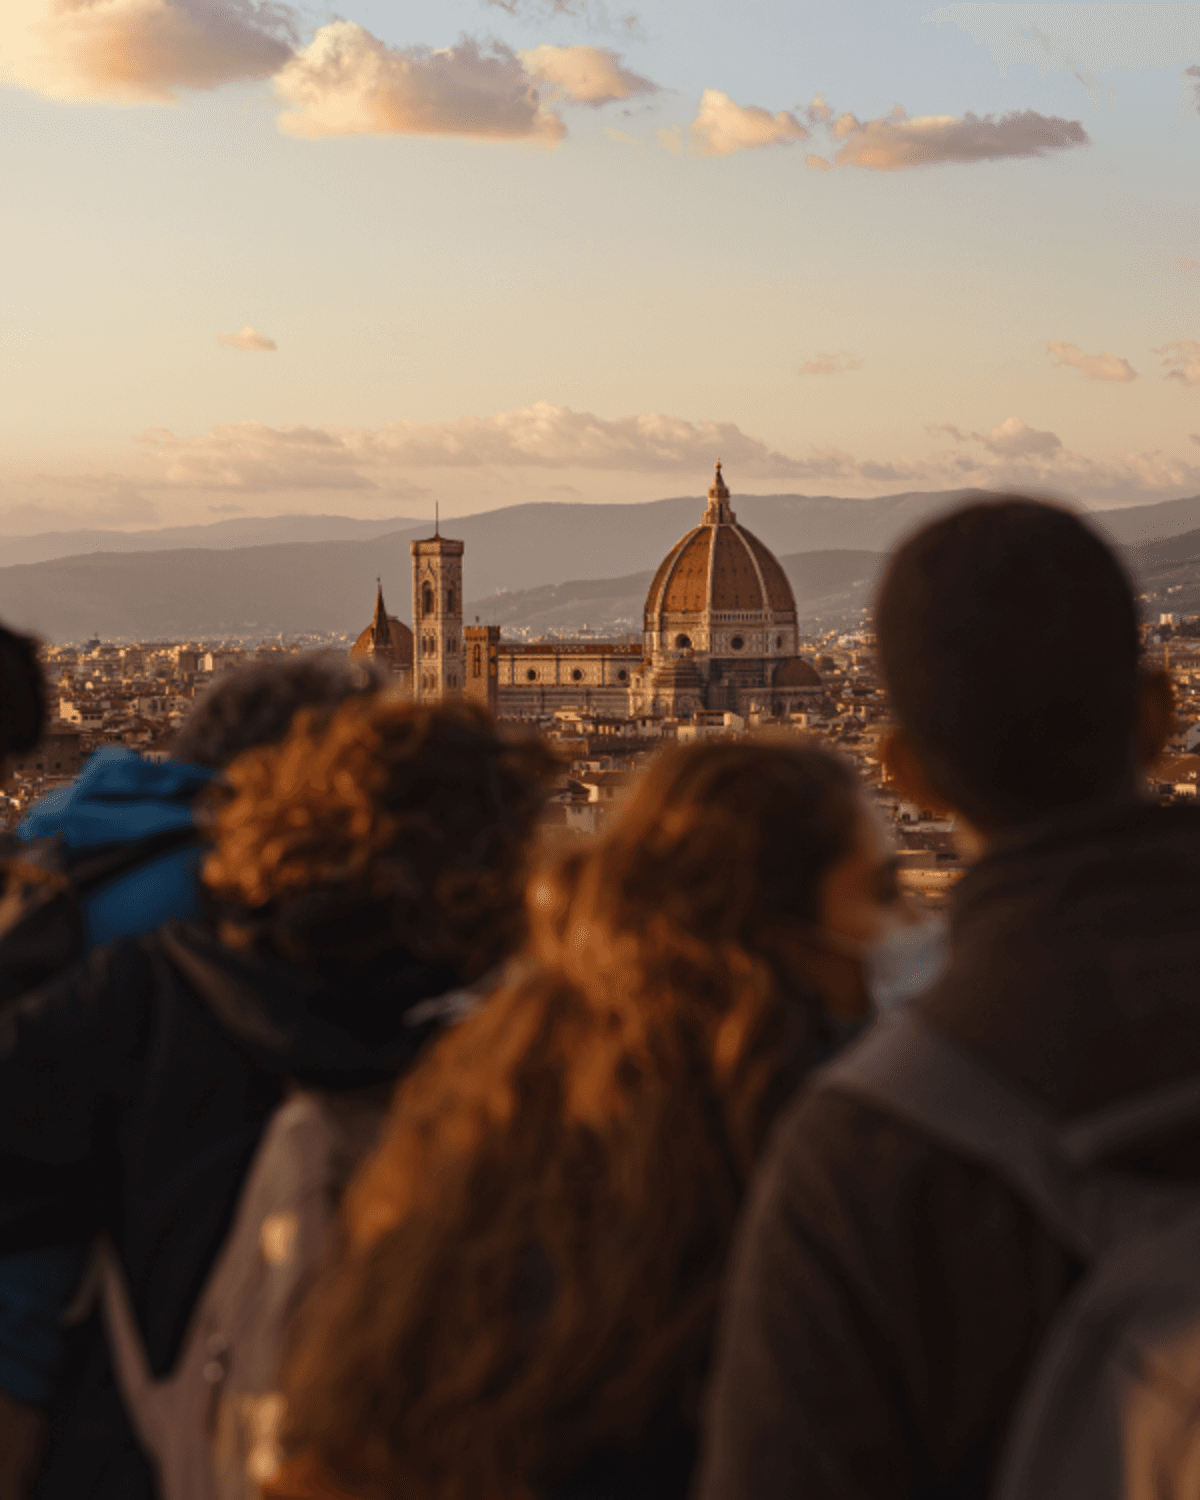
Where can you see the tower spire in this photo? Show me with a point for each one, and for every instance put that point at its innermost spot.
(718, 509)
(437, 518)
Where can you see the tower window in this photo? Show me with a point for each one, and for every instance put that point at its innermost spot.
(576, 675)
(426, 599)
(531, 675)
(779, 643)
(477, 662)
(622, 675)
(449, 601)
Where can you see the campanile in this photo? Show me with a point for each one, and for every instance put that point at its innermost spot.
(439, 653)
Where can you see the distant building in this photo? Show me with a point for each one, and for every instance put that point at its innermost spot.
(720, 626)
(440, 664)
(483, 665)
(388, 642)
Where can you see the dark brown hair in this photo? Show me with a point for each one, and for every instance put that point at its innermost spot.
(1008, 640)
(387, 825)
(530, 1261)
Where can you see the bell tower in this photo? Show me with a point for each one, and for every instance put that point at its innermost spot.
(439, 651)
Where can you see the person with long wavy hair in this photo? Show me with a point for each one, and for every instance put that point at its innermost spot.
(522, 1299)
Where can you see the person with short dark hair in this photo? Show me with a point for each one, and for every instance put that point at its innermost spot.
(22, 693)
(889, 1297)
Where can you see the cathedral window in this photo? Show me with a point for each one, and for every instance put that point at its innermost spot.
(683, 643)
(531, 675)
(737, 643)
(426, 599)
(576, 675)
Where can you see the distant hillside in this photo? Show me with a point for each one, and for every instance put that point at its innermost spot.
(545, 566)
(1169, 573)
(241, 531)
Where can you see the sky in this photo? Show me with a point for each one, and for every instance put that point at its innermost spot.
(263, 258)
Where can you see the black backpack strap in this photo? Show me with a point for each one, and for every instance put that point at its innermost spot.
(90, 868)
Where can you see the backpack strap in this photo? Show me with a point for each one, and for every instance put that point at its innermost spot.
(923, 1078)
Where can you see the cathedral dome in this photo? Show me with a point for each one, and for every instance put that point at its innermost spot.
(386, 638)
(795, 672)
(718, 568)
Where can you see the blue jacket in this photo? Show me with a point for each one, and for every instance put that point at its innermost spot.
(117, 798)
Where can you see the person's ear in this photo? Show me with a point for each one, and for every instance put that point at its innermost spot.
(908, 775)
(1154, 721)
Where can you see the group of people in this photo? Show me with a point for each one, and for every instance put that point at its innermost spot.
(617, 1176)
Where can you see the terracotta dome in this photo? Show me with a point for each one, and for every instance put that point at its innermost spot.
(718, 568)
(795, 672)
(385, 637)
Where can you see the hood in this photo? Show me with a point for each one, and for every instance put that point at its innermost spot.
(117, 796)
(296, 1024)
(1075, 951)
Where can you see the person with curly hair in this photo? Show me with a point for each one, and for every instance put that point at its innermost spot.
(522, 1298)
(370, 863)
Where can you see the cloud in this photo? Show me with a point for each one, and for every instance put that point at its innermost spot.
(1194, 437)
(249, 339)
(1092, 366)
(896, 143)
(347, 82)
(819, 112)
(818, 164)
(723, 127)
(1185, 264)
(593, 12)
(1016, 439)
(585, 75)
(672, 139)
(139, 51)
(824, 363)
(1086, 40)
(1181, 361)
(621, 137)
(102, 501)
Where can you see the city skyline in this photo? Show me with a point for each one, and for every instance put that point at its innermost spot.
(309, 266)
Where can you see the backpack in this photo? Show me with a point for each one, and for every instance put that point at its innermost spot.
(1111, 1407)
(212, 1426)
(46, 887)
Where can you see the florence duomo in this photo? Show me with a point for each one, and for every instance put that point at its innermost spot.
(719, 635)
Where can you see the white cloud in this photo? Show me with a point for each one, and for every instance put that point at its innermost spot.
(622, 138)
(1014, 438)
(585, 75)
(138, 51)
(347, 82)
(671, 140)
(895, 143)
(1181, 361)
(818, 163)
(1086, 40)
(825, 363)
(1091, 366)
(249, 339)
(723, 127)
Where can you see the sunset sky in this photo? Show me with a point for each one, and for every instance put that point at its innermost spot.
(265, 258)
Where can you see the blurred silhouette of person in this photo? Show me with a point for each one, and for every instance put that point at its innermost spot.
(889, 1296)
(523, 1297)
(373, 861)
(123, 834)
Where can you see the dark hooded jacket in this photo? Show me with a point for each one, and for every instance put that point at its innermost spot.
(133, 1093)
(887, 1299)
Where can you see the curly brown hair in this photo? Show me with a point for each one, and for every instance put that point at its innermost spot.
(386, 825)
(529, 1264)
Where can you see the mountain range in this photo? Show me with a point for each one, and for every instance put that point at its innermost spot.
(543, 566)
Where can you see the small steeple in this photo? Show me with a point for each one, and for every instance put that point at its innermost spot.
(717, 510)
(381, 628)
